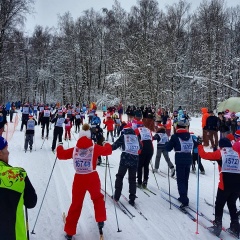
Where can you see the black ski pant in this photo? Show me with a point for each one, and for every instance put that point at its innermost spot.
(77, 124)
(131, 180)
(24, 121)
(45, 123)
(182, 171)
(11, 115)
(143, 165)
(28, 140)
(111, 133)
(57, 133)
(222, 198)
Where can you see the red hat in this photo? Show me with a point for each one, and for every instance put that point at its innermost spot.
(30, 116)
(237, 134)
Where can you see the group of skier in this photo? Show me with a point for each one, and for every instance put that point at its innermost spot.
(135, 138)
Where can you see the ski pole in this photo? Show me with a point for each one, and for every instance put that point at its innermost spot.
(44, 196)
(27, 226)
(7, 132)
(105, 187)
(213, 186)
(73, 135)
(169, 191)
(107, 163)
(43, 143)
(35, 143)
(154, 174)
(197, 193)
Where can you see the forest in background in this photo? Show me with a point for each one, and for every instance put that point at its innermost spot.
(148, 56)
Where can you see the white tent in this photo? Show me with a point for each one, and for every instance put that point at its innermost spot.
(232, 104)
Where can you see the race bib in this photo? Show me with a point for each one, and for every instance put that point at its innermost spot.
(230, 160)
(46, 113)
(145, 133)
(60, 122)
(163, 138)
(82, 160)
(25, 110)
(30, 124)
(186, 146)
(131, 144)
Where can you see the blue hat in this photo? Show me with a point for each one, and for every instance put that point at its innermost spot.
(224, 142)
(3, 143)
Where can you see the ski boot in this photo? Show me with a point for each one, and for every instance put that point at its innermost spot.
(216, 228)
(144, 184)
(68, 237)
(131, 202)
(139, 185)
(234, 228)
(100, 227)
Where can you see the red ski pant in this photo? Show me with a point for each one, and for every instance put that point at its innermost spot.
(81, 184)
(68, 133)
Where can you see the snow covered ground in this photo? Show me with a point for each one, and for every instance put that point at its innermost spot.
(163, 223)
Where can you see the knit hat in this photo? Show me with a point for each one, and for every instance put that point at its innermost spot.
(224, 142)
(237, 134)
(85, 131)
(3, 143)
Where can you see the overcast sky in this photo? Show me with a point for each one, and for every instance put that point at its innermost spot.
(46, 11)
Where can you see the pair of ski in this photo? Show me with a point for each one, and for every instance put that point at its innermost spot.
(195, 211)
(121, 206)
(136, 207)
(147, 191)
(64, 221)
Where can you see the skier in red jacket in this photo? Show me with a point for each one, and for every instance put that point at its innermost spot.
(85, 155)
(229, 183)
